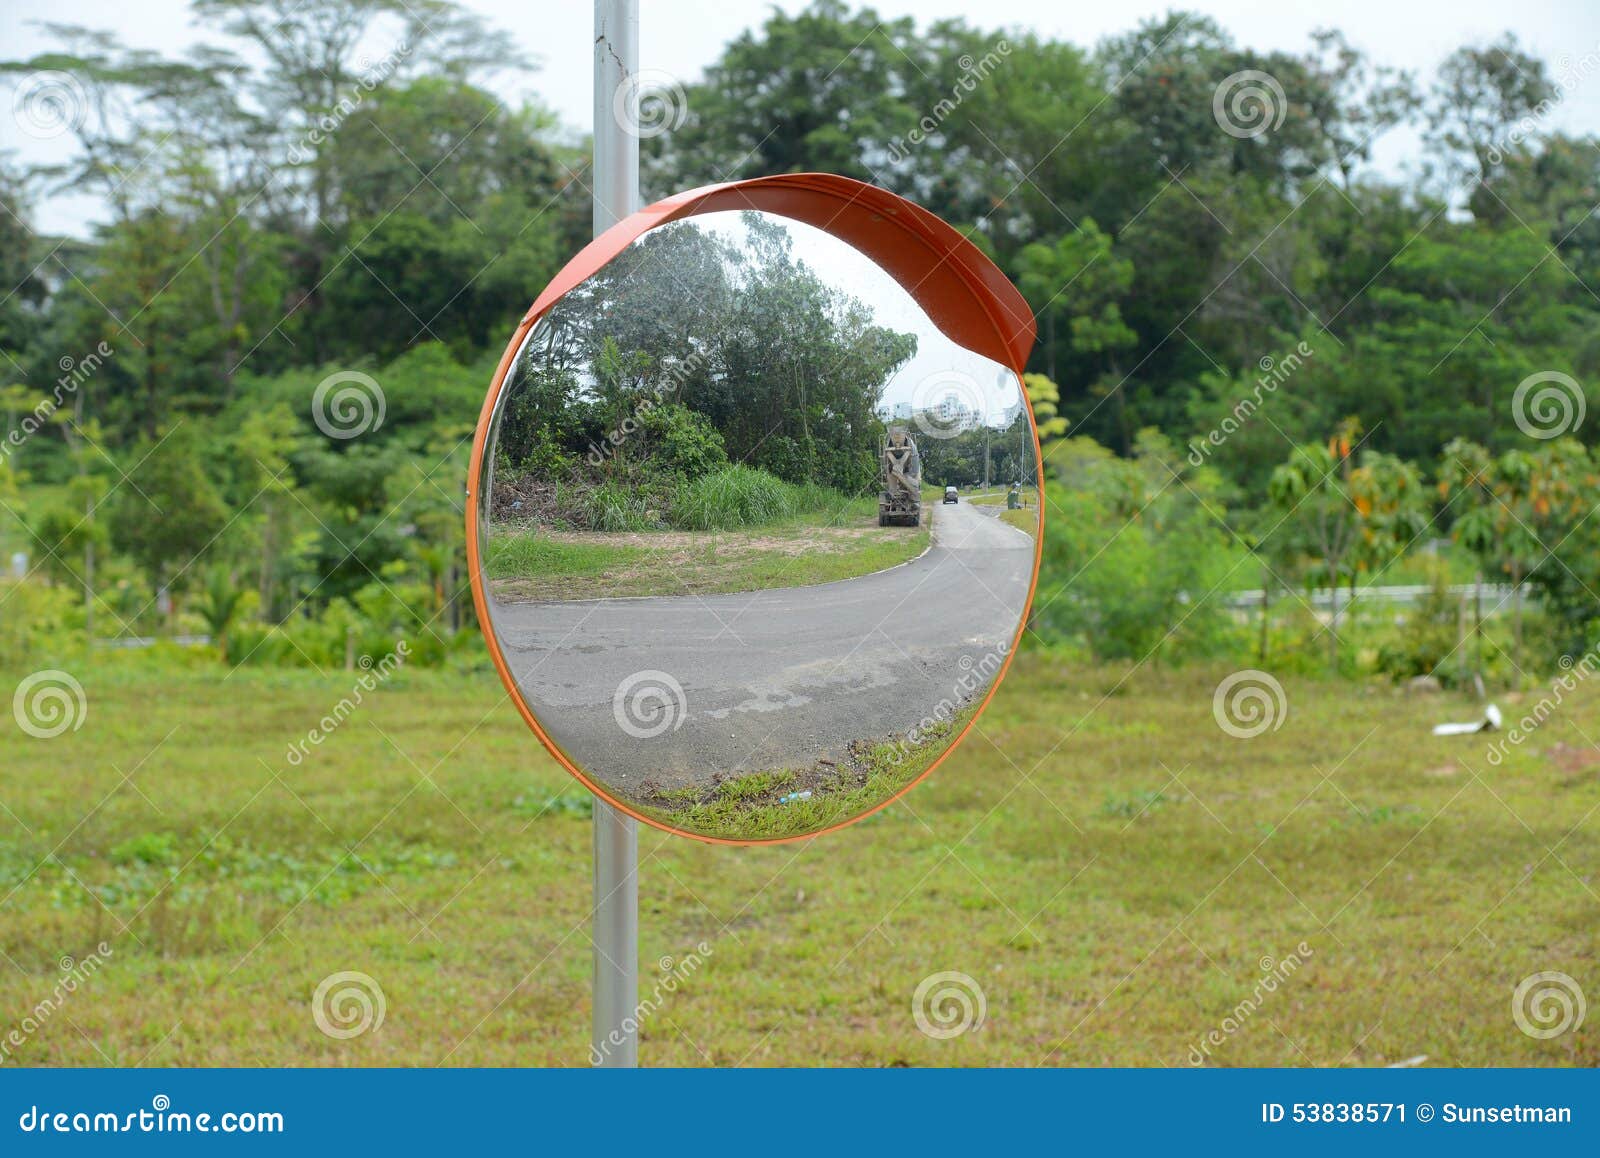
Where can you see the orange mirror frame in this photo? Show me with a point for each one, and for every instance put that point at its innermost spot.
(963, 293)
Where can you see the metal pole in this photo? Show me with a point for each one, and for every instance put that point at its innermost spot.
(615, 927)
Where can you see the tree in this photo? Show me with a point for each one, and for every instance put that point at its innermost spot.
(218, 604)
(1081, 280)
(1482, 95)
(167, 513)
(824, 90)
(265, 481)
(1352, 516)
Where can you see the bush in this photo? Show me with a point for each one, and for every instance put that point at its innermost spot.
(682, 441)
(1135, 567)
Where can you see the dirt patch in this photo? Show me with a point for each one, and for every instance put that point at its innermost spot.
(1572, 759)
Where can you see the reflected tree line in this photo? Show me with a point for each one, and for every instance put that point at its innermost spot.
(696, 348)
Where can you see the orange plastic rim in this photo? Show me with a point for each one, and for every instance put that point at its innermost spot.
(963, 293)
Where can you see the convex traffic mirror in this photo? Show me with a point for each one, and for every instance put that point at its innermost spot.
(754, 519)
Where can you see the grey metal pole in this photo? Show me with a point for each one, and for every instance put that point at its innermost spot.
(615, 927)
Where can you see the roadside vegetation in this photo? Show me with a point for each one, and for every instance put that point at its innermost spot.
(786, 802)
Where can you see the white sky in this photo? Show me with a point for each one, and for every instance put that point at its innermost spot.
(682, 36)
(940, 367)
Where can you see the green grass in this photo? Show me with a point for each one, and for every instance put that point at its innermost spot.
(740, 496)
(997, 496)
(1024, 519)
(541, 565)
(429, 844)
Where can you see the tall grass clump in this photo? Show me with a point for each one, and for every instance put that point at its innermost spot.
(736, 496)
(613, 507)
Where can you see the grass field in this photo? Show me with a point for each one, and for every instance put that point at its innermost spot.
(1111, 868)
(592, 565)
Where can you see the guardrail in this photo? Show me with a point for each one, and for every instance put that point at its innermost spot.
(1322, 597)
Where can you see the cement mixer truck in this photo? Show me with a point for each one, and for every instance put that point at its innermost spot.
(900, 501)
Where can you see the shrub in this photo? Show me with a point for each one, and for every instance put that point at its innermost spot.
(682, 441)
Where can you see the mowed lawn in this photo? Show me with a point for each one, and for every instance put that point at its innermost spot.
(1111, 868)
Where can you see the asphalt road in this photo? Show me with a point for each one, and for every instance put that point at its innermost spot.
(769, 679)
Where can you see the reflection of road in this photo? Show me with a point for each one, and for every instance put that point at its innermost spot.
(770, 679)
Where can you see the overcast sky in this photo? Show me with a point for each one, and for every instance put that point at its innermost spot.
(682, 36)
(939, 369)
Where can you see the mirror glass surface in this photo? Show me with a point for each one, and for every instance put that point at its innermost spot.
(756, 537)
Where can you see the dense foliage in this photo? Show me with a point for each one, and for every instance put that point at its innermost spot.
(1304, 373)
